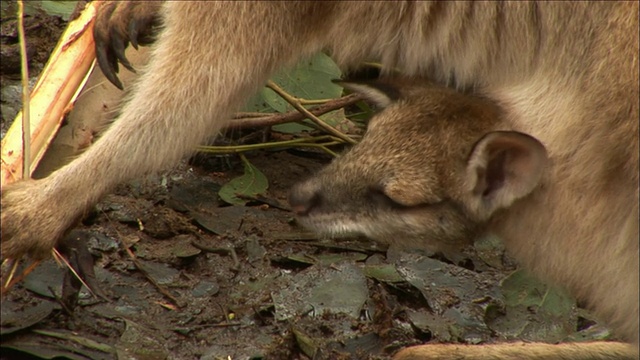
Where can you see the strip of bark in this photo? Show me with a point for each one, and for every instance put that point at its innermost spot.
(53, 95)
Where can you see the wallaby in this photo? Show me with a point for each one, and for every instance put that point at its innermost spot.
(565, 69)
(436, 168)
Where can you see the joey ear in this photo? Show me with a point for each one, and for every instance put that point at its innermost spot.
(503, 167)
(379, 93)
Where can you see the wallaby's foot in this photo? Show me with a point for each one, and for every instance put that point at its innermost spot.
(598, 350)
(33, 219)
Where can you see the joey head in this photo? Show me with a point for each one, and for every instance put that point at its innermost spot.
(431, 170)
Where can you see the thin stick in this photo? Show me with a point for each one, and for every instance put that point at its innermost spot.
(12, 272)
(62, 261)
(246, 120)
(178, 302)
(299, 142)
(12, 280)
(296, 104)
(26, 123)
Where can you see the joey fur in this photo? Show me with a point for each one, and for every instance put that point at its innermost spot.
(564, 72)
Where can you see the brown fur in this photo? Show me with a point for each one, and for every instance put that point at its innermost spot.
(562, 71)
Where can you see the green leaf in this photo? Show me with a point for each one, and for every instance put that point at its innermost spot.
(305, 342)
(250, 184)
(257, 103)
(62, 8)
(334, 118)
(326, 259)
(383, 272)
(310, 80)
(534, 311)
(520, 288)
(291, 128)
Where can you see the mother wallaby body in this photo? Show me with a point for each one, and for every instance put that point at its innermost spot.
(564, 71)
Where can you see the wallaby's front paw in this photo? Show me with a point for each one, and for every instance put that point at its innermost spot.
(119, 23)
(33, 220)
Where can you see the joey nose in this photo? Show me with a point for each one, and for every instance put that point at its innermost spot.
(304, 197)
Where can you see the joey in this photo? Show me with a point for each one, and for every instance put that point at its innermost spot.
(436, 168)
(431, 170)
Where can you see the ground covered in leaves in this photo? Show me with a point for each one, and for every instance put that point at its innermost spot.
(177, 274)
(177, 270)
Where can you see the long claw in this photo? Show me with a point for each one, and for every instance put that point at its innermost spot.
(118, 45)
(107, 67)
(118, 24)
(133, 34)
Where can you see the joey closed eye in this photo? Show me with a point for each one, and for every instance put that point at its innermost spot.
(377, 195)
(381, 196)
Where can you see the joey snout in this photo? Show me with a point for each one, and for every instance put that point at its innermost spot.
(330, 205)
(305, 196)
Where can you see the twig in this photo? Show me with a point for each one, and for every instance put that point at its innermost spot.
(205, 326)
(92, 344)
(298, 106)
(245, 114)
(344, 248)
(220, 251)
(61, 260)
(24, 69)
(179, 303)
(308, 142)
(296, 236)
(248, 120)
(12, 280)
